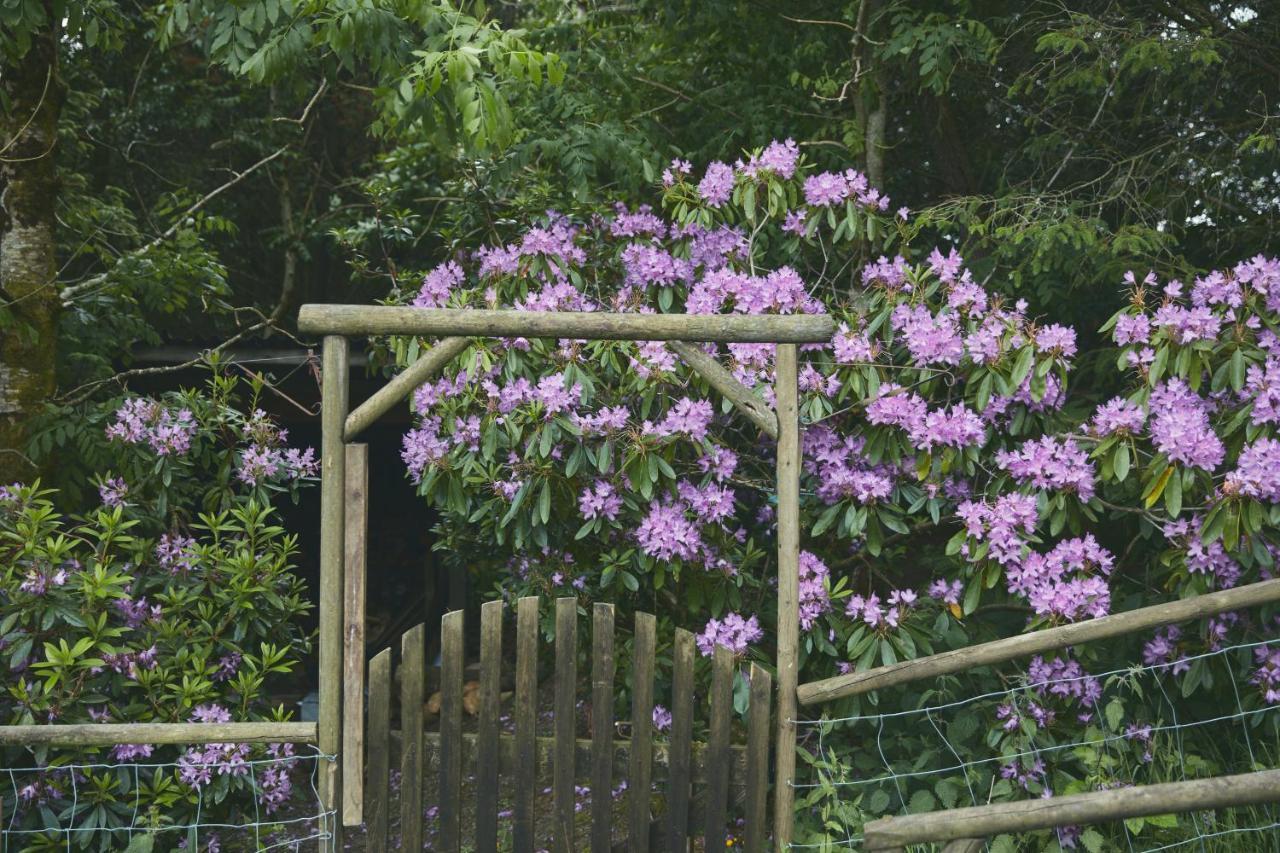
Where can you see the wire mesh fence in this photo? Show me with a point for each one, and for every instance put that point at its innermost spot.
(215, 797)
(1050, 730)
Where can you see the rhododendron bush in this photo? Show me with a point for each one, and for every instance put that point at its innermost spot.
(174, 601)
(952, 489)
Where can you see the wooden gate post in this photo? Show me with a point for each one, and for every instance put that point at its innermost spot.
(333, 413)
(788, 468)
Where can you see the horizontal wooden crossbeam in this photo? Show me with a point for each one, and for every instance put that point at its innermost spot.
(1038, 642)
(1246, 789)
(110, 734)
(596, 325)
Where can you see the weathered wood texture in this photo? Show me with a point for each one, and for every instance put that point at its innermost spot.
(788, 472)
(453, 660)
(717, 811)
(487, 782)
(701, 779)
(333, 412)
(526, 712)
(757, 771)
(718, 377)
(355, 546)
(566, 688)
(641, 768)
(678, 781)
(1010, 648)
(109, 734)
(377, 787)
(599, 325)
(1095, 807)
(403, 384)
(412, 690)
(602, 672)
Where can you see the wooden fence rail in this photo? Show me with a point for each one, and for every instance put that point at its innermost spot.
(709, 769)
(977, 822)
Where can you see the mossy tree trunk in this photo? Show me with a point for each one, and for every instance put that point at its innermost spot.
(31, 93)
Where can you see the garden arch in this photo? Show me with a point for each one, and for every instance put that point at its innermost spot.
(456, 328)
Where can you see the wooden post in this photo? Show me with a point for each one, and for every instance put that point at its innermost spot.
(526, 714)
(788, 467)
(717, 809)
(681, 744)
(412, 692)
(449, 793)
(110, 734)
(487, 742)
(377, 788)
(758, 717)
(602, 671)
(355, 547)
(566, 691)
(641, 768)
(333, 411)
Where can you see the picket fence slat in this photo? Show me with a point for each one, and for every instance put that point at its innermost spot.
(758, 720)
(526, 716)
(641, 767)
(566, 690)
(487, 751)
(721, 766)
(602, 672)
(681, 741)
(718, 748)
(376, 788)
(453, 655)
(412, 688)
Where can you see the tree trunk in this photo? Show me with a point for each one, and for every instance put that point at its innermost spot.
(29, 302)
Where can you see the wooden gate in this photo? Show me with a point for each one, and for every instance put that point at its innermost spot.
(692, 799)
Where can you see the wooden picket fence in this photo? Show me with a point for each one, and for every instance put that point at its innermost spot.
(501, 761)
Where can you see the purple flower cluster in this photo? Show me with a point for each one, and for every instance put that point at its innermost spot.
(733, 632)
(177, 554)
(1162, 650)
(687, 417)
(1267, 675)
(113, 491)
(877, 615)
(1050, 463)
(1067, 583)
(1117, 415)
(1180, 426)
(1257, 473)
(956, 426)
(438, 285)
(144, 421)
(600, 500)
(197, 766)
(1003, 526)
(716, 185)
(780, 158)
(832, 188)
(840, 468)
(815, 599)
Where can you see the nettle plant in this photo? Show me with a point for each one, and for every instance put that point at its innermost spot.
(175, 600)
(945, 481)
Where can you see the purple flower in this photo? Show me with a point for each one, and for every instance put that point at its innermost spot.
(815, 599)
(666, 532)
(437, 285)
(733, 632)
(112, 492)
(661, 718)
(599, 500)
(1050, 463)
(716, 185)
(1057, 338)
(1117, 415)
(825, 189)
(1180, 426)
